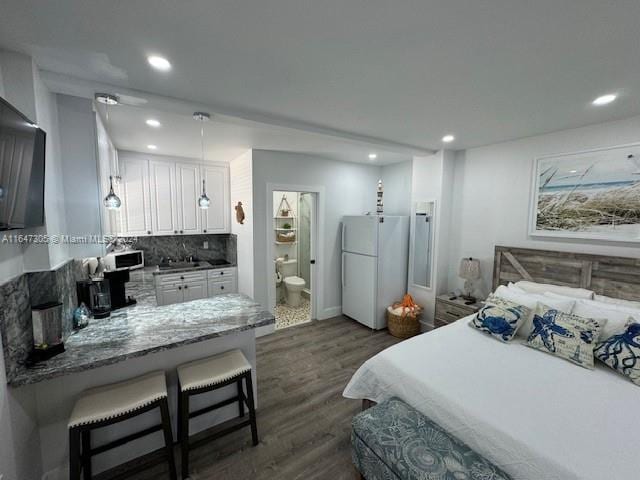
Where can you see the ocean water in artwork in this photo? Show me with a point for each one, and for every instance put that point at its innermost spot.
(595, 192)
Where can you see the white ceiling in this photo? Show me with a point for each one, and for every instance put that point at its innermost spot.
(407, 71)
(226, 139)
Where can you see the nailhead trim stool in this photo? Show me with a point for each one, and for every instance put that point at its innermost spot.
(110, 404)
(210, 374)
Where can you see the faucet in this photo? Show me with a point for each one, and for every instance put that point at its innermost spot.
(187, 257)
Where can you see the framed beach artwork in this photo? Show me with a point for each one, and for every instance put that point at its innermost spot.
(593, 194)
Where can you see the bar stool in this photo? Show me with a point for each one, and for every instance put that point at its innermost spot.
(111, 404)
(210, 374)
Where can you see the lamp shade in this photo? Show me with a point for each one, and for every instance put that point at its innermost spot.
(469, 269)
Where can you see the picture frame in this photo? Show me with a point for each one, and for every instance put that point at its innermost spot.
(590, 194)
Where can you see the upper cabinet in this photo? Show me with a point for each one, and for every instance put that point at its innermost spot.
(136, 203)
(160, 196)
(162, 181)
(215, 219)
(188, 183)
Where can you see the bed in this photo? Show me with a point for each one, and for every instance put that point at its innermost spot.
(534, 415)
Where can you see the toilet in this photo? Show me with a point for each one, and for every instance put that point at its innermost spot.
(293, 284)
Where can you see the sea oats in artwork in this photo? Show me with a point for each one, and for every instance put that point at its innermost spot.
(592, 194)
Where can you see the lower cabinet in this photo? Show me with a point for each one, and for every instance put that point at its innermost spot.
(184, 287)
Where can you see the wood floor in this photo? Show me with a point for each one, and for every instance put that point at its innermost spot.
(303, 420)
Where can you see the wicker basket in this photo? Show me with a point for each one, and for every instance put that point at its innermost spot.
(403, 327)
(282, 238)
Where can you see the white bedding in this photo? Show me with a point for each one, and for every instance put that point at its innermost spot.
(534, 415)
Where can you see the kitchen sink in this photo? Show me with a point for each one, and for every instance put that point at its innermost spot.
(173, 265)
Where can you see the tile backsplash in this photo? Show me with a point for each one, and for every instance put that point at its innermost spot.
(180, 246)
(17, 296)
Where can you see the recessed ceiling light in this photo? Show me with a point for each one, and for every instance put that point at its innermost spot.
(152, 147)
(152, 122)
(573, 171)
(373, 156)
(448, 138)
(604, 99)
(159, 63)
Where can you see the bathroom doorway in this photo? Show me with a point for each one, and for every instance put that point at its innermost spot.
(293, 254)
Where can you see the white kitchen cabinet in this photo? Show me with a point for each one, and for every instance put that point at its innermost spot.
(160, 196)
(136, 201)
(194, 290)
(169, 294)
(215, 219)
(162, 181)
(188, 185)
(222, 286)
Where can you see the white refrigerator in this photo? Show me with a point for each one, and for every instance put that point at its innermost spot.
(375, 254)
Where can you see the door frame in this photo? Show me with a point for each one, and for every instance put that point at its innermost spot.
(317, 246)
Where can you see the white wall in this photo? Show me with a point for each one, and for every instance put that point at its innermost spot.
(350, 189)
(19, 439)
(396, 179)
(241, 190)
(431, 181)
(80, 172)
(492, 187)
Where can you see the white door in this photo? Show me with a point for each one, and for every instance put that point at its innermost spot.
(136, 202)
(360, 234)
(163, 197)
(194, 290)
(189, 188)
(359, 274)
(215, 219)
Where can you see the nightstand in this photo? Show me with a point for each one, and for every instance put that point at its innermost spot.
(448, 311)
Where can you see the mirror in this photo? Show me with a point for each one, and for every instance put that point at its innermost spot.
(422, 225)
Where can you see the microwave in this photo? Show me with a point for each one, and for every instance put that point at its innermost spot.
(125, 260)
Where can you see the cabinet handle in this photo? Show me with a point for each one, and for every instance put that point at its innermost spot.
(221, 287)
(204, 231)
(181, 278)
(179, 288)
(186, 286)
(221, 273)
(175, 231)
(149, 232)
(181, 231)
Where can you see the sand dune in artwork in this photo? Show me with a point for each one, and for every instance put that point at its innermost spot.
(589, 210)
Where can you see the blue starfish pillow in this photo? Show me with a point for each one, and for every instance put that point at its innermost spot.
(567, 336)
(621, 351)
(500, 318)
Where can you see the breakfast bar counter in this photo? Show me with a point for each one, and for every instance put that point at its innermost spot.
(146, 328)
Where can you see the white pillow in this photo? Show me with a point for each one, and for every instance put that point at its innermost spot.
(530, 300)
(533, 287)
(616, 316)
(616, 301)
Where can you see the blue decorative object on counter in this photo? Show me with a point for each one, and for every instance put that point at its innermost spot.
(81, 317)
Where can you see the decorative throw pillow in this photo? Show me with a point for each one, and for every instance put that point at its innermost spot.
(564, 335)
(500, 318)
(622, 351)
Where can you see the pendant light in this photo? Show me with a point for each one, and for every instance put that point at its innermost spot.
(111, 201)
(203, 201)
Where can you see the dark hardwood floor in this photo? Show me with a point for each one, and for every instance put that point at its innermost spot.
(303, 420)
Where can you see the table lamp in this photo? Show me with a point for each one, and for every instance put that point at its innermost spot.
(470, 271)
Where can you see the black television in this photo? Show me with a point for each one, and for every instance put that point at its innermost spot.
(22, 162)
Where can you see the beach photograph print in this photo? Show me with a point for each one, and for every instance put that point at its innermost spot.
(593, 194)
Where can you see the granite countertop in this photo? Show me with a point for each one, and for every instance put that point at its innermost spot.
(202, 265)
(147, 328)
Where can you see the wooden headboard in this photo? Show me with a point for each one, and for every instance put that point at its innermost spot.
(617, 277)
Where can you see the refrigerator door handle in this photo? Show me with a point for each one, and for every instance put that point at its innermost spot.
(344, 230)
(342, 271)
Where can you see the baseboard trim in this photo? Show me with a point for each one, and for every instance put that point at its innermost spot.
(330, 312)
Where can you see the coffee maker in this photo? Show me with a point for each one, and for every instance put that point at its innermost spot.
(96, 295)
(117, 279)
